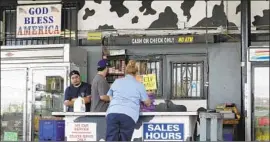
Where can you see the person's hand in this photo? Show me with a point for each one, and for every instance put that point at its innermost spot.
(74, 99)
(89, 98)
(150, 92)
(66, 103)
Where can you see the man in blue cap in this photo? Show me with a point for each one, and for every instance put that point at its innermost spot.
(100, 87)
(76, 89)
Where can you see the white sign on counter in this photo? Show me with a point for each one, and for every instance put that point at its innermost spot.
(82, 132)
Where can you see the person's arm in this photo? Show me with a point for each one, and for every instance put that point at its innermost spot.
(105, 98)
(87, 98)
(110, 92)
(68, 101)
(143, 96)
(110, 97)
(103, 88)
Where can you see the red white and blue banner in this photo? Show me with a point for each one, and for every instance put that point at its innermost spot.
(38, 21)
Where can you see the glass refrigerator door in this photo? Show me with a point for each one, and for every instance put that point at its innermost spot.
(47, 91)
(13, 106)
(261, 104)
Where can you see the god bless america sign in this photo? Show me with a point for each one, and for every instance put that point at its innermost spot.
(38, 21)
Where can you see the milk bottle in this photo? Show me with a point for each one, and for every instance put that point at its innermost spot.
(79, 104)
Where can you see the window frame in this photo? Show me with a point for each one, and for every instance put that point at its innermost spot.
(201, 94)
(184, 58)
(152, 58)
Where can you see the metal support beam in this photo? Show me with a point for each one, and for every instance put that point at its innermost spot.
(245, 93)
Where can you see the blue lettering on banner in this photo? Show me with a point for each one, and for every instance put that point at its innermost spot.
(163, 132)
(38, 20)
(38, 10)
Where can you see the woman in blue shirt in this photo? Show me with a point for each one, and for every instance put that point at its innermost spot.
(124, 109)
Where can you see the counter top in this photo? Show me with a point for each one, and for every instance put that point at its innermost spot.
(62, 114)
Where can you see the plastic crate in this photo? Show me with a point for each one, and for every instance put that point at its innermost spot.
(228, 137)
(51, 130)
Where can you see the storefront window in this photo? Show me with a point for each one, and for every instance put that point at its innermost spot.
(151, 67)
(10, 25)
(13, 94)
(261, 103)
(187, 80)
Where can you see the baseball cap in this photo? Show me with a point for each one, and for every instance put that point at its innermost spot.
(103, 63)
(73, 73)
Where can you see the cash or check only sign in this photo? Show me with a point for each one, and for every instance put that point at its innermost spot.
(150, 82)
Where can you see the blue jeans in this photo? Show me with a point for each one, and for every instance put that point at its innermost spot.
(120, 127)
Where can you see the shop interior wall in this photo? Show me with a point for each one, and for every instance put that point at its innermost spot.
(224, 64)
(94, 54)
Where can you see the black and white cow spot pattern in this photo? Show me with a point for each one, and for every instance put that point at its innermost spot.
(103, 27)
(135, 20)
(119, 13)
(262, 22)
(118, 7)
(219, 18)
(166, 19)
(147, 7)
(88, 13)
(192, 12)
(98, 1)
(186, 6)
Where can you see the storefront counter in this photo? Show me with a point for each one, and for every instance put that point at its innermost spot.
(165, 126)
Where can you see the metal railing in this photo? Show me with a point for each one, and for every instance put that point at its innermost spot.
(187, 80)
(151, 64)
(152, 67)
